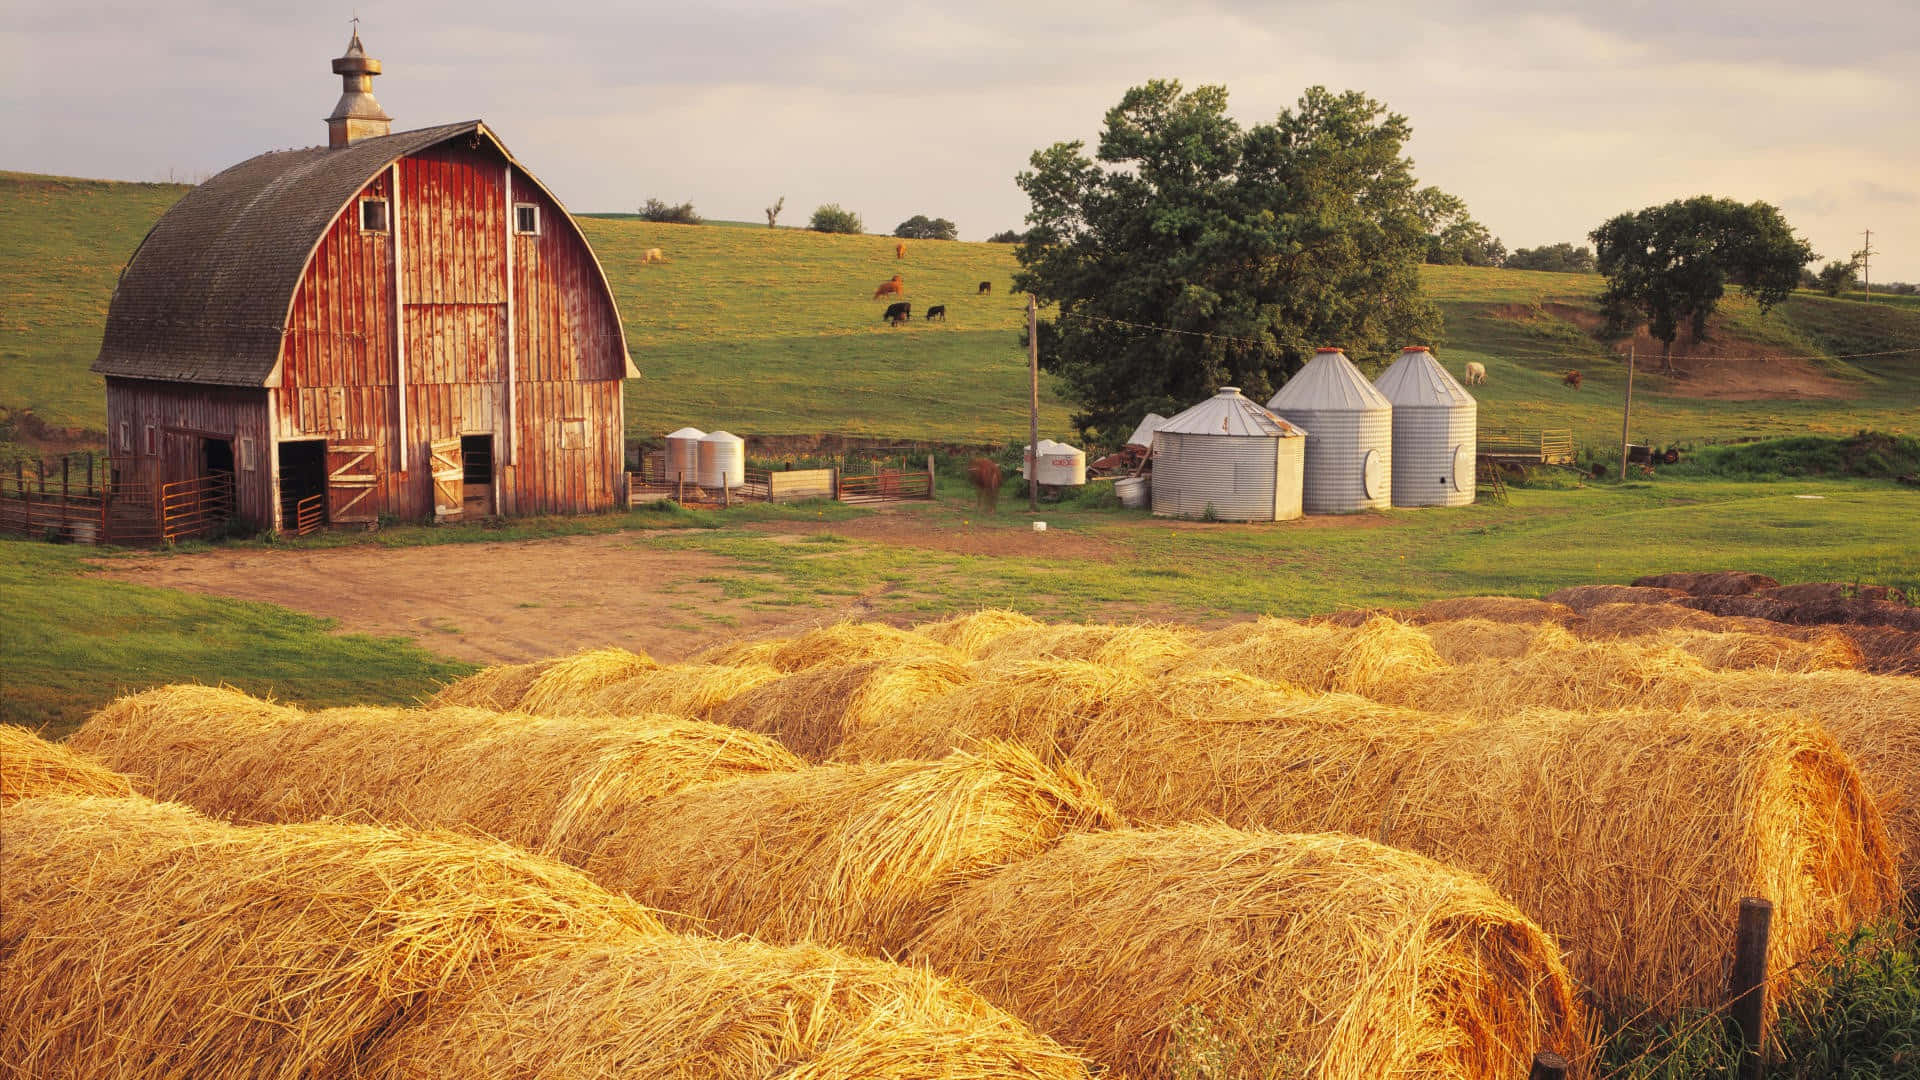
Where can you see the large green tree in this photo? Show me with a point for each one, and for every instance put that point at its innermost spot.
(1669, 266)
(1190, 253)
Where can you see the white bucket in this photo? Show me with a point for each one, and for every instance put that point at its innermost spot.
(1039, 526)
(1133, 491)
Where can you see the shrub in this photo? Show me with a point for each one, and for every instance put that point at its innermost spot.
(832, 219)
(1007, 237)
(655, 210)
(921, 227)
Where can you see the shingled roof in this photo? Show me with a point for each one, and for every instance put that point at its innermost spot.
(206, 296)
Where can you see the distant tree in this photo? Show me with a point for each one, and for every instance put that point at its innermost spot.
(1454, 238)
(832, 219)
(773, 211)
(1837, 277)
(655, 210)
(1670, 265)
(920, 227)
(1006, 237)
(1254, 244)
(1560, 258)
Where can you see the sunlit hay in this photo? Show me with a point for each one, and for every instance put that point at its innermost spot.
(691, 1008)
(1723, 651)
(1463, 641)
(1146, 647)
(574, 679)
(499, 687)
(143, 934)
(847, 643)
(1558, 671)
(813, 711)
(693, 690)
(1638, 620)
(1630, 836)
(30, 766)
(972, 633)
(1582, 597)
(749, 652)
(1320, 656)
(856, 855)
(1493, 609)
(160, 738)
(1202, 950)
(1039, 704)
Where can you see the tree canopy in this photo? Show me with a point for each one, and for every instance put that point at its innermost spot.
(1453, 237)
(1563, 258)
(1189, 253)
(831, 218)
(921, 227)
(659, 210)
(1669, 265)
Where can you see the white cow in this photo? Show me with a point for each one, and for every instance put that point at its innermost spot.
(1476, 372)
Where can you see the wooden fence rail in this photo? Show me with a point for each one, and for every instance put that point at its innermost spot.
(1549, 446)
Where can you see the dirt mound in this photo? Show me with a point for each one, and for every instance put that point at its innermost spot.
(1713, 583)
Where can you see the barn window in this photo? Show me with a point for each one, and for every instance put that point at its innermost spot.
(373, 216)
(246, 455)
(126, 437)
(526, 219)
(573, 433)
(153, 440)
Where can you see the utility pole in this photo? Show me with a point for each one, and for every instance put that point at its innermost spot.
(1866, 258)
(1626, 416)
(1033, 404)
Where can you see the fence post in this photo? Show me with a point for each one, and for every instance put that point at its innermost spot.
(89, 470)
(930, 492)
(66, 478)
(1548, 1066)
(833, 477)
(726, 493)
(1748, 991)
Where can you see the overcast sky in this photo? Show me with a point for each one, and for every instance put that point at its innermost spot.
(1546, 118)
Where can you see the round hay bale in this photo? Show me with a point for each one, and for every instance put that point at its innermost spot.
(499, 687)
(30, 766)
(1558, 671)
(813, 711)
(1202, 950)
(1612, 621)
(857, 855)
(1582, 597)
(839, 643)
(1568, 814)
(1039, 704)
(1146, 647)
(692, 690)
(1740, 604)
(1320, 656)
(1888, 651)
(1730, 651)
(160, 738)
(571, 681)
(1822, 591)
(972, 633)
(1493, 609)
(1710, 583)
(690, 1008)
(1463, 641)
(139, 932)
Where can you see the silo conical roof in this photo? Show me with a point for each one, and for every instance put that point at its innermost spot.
(1230, 412)
(1329, 381)
(1418, 380)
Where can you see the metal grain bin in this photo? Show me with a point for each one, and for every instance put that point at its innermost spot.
(1350, 453)
(1435, 429)
(1229, 459)
(723, 460)
(683, 455)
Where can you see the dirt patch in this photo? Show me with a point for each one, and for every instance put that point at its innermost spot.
(905, 528)
(491, 603)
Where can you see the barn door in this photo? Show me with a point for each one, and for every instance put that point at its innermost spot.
(449, 478)
(352, 472)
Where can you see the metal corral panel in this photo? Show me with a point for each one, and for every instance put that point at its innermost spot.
(1238, 478)
(1349, 453)
(1435, 430)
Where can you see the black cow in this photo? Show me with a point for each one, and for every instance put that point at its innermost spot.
(986, 289)
(898, 313)
(937, 311)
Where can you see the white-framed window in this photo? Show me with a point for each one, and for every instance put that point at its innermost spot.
(245, 454)
(526, 219)
(374, 217)
(126, 437)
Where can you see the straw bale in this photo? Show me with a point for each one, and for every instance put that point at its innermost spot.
(691, 690)
(575, 678)
(1320, 656)
(1494, 609)
(1582, 597)
(839, 643)
(1202, 950)
(1710, 583)
(1888, 651)
(30, 766)
(1630, 836)
(973, 632)
(499, 687)
(1147, 647)
(813, 711)
(688, 1008)
(1042, 705)
(856, 855)
(1605, 621)
(1463, 641)
(533, 781)
(1352, 617)
(1729, 651)
(1753, 607)
(140, 938)
(1558, 671)
(160, 737)
(1814, 591)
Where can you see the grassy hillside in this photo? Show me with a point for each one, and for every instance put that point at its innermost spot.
(774, 331)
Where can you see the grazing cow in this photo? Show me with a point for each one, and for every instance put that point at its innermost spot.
(984, 475)
(896, 287)
(1571, 378)
(1476, 373)
(898, 313)
(937, 311)
(653, 255)
(986, 289)
(900, 251)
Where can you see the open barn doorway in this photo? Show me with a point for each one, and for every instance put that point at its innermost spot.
(476, 467)
(303, 486)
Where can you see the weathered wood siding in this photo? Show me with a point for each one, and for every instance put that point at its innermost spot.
(165, 423)
(561, 451)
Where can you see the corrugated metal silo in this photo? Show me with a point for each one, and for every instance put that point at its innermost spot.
(723, 460)
(1435, 431)
(1230, 459)
(683, 455)
(1350, 453)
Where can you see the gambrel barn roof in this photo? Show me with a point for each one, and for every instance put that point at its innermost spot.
(206, 295)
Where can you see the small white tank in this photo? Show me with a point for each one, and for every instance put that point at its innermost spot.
(683, 455)
(1060, 465)
(723, 460)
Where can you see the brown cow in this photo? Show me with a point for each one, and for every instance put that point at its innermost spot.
(1571, 378)
(984, 475)
(900, 251)
(986, 289)
(896, 287)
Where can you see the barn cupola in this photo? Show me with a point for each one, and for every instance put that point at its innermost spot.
(358, 116)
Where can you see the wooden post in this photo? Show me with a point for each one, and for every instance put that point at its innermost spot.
(1033, 403)
(1626, 414)
(726, 494)
(89, 470)
(42, 466)
(930, 493)
(833, 477)
(26, 497)
(66, 477)
(400, 318)
(1548, 1066)
(1748, 992)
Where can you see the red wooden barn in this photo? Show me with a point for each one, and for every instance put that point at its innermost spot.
(405, 324)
